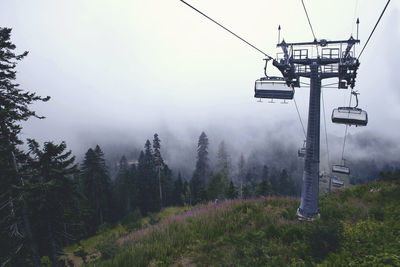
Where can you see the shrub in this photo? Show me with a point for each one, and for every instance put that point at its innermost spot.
(154, 218)
(105, 227)
(324, 237)
(107, 246)
(132, 221)
(376, 213)
(292, 233)
(81, 253)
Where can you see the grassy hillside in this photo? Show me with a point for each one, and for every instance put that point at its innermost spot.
(358, 227)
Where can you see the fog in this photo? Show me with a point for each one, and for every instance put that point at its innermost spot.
(120, 71)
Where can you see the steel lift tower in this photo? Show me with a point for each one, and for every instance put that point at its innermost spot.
(332, 59)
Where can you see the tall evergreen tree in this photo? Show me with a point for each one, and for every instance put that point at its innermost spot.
(178, 194)
(96, 186)
(223, 162)
(53, 195)
(149, 200)
(202, 172)
(159, 162)
(124, 189)
(187, 193)
(167, 184)
(217, 187)
(263, 188)
(286, 185)
(14, 108)
(232, 191)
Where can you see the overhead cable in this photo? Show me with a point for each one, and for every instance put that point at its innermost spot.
(383, 11)
(345, 131)
(223, 27)
(326, 132)
(308, 18)
(301, 122)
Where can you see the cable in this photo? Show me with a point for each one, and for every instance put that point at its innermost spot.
(345, 131)
(308, 18)
(383, 11)
(326, 132)
(298, 113)
(265, 54)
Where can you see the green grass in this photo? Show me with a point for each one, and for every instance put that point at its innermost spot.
(358, 227)
(88, 246)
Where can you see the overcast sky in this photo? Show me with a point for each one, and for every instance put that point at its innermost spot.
(121, 70)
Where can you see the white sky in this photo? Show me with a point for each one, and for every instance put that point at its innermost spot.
(120, 70)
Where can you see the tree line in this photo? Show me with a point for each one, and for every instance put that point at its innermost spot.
(48, 201)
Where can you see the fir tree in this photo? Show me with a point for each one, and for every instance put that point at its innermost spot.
(96, 186)
(286, 186)
(158, 161)
(124, 187)
(223, 162)
(149, 200)
(187, 193)
(232, 191)
(217, 187)
(178, 195)
(201, 174)
(53, 195)
(167, 184)
(14, 108)
(263, 188)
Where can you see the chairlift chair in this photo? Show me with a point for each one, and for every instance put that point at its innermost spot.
(302, 151)
(350, 115)
(336, 182)
(272, 87)
(337, 168)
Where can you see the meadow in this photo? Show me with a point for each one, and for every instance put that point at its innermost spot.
(359, 226)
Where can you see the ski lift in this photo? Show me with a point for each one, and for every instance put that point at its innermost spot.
(302, 151)
(336, 182)
(341, 168)
(272, 87)
(350, 115)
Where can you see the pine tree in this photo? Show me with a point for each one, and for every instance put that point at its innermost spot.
(159, 162)
(178, 191)
(232, 191)
(223, 162)
(149, 200)
(53, 195)
(286, 186)
(274, 181)
(14, 108)
(96, 186)
(201, 174)
(167, 184)
(124, 194)
(217, 187)
(263, 188)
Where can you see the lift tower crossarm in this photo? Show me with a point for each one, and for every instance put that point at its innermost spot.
(321, 42)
